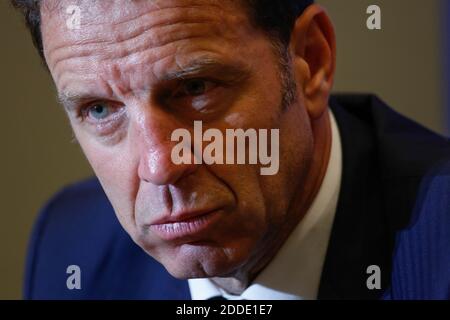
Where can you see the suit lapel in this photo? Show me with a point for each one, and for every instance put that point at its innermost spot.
(358, 237)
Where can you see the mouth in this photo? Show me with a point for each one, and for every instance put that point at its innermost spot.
(185, 225)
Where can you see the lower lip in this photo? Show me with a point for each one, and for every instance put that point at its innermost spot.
(183, 229)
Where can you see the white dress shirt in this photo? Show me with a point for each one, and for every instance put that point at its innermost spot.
(294, 273)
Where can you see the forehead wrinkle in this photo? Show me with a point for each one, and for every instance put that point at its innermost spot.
(135, 27)
(67, 95)
(165, 68)
(138, 45)
(121, 37)
(118, 83)
(141, 60)
(151, 55)
(108, 53)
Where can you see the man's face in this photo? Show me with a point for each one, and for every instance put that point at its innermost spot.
(138, 70)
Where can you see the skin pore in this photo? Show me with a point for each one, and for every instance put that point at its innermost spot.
(137, 70)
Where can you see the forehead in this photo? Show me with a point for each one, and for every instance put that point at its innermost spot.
(156, 34)
(123, 14)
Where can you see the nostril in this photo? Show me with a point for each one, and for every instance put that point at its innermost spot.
(158, 169)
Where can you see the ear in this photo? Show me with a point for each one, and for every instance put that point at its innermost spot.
(313, 50)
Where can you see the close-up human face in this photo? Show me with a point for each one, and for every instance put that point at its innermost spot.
(131, 75)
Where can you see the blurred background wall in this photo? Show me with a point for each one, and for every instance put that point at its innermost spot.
(403, 63)
(37, 155)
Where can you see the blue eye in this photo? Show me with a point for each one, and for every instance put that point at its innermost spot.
(99, 111)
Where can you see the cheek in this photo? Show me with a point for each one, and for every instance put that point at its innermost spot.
(117, 172)
(296, 150)
(249, 219)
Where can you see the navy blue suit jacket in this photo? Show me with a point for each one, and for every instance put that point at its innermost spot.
(393, 212)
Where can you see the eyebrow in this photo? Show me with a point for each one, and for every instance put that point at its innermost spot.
(71, 100)
(205, 66)
(228, 73)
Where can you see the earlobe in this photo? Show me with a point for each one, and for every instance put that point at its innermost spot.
(313, 46)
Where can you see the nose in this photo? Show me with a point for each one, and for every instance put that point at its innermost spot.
(152, 139)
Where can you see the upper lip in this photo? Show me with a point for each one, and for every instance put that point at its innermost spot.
(183, 216)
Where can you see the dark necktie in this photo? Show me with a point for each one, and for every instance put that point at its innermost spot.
(217, 298)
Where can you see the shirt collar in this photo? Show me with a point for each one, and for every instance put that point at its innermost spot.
(294, 273)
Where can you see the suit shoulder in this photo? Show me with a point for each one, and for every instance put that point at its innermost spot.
(81, 194)
(423, 248)
(65, 230)
(80, 207)
(404, 148)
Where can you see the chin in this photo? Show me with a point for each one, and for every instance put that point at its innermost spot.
(190, 261)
